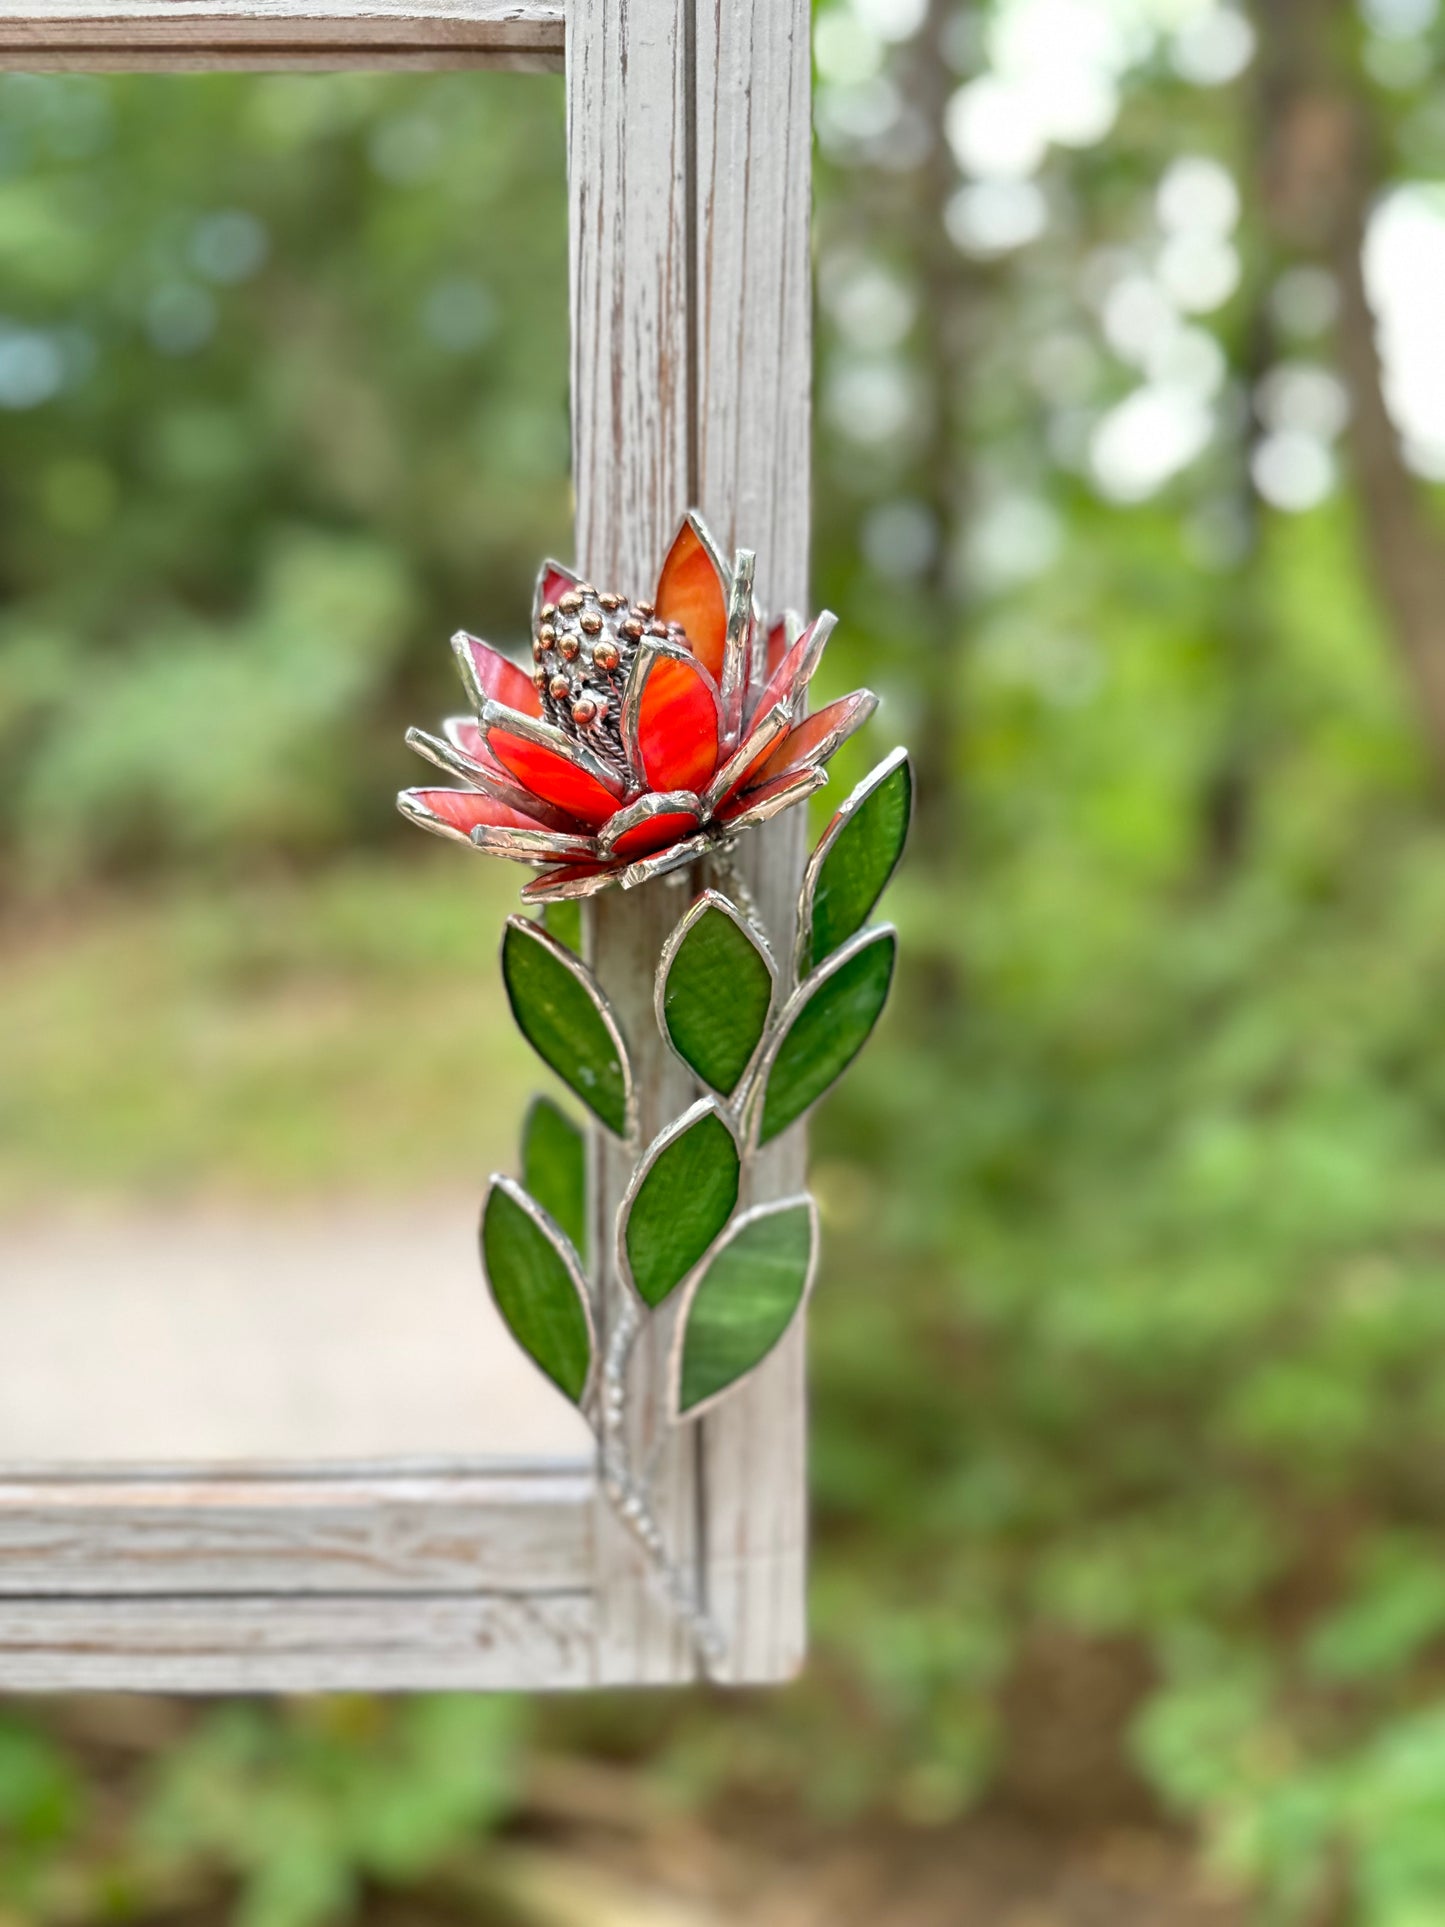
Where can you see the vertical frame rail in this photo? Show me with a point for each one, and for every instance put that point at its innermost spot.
(753, 428)
(689, 153)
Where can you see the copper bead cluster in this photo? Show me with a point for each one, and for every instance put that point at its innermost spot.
(582, 650)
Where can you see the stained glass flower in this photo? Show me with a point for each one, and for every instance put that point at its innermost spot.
(641, 734)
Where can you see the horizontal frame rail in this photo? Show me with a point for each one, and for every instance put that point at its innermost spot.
(345, 1643)
(252, 35)
(389, 1531)
(328, 1579)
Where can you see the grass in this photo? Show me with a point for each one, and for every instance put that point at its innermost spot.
(341, 1031)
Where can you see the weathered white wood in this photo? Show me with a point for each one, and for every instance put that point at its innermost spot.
(323, 34)
(533, 16)
(628, 173)
(440, 1532)
(753, 416)
(290, 1644)
(690, 148)
(628, 133)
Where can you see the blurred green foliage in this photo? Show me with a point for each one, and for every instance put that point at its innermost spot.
(267, 347)
(1133, 1328)
(40, 1803)
(296, 1807)
(286, 1035)
(305, 1806)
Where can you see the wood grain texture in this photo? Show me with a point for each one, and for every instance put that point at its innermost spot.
(290, 1644)
(753, 426)
(199, 35)
(689, 181)
(446, 1532)
(628, 132)
(690, 145)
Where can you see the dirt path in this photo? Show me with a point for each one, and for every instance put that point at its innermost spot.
(340, 1331)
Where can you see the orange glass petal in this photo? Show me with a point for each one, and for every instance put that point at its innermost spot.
(553, 778)
(763, 793)
(655, 834)
(809, 739)
(752, 768)
(677, 726)
(691, 591)
(788, 678)
(501, 679)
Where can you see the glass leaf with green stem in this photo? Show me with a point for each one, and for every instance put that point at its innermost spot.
(715, 988)
(743, 1302)
(536, 1280)
(855, 858)
(564, 1016)
(828, 1020)
(684, 1191)
(554, 1168)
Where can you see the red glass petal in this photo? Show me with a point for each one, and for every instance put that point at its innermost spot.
(691, 591)
(463, 734)
(777, 645)
(575, 880)
(553, 777)
(676, 733)
(663, 862)
(793, 674)
(553, 582)
(482, 771)
(464, 810)
(655, 833)
(496, 676)
(815, 739)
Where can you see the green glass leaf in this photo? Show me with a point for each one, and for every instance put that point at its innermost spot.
(855, 857)
(567, 1021)
(564, 922)
(533, 1274)
(744, 1301)
(554, 1168)
(714, 991)
(825, 1026)
(683, 1195)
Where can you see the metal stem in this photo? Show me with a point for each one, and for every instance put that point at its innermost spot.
(628, 1495)
(727, 873)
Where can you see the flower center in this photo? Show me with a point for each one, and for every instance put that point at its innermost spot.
(582, 652)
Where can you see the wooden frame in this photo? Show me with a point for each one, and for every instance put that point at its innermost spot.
(204, 35)
(689, 146)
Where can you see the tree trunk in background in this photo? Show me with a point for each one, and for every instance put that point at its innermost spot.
(1321, 172)
(944, 353)
(1229, 787)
